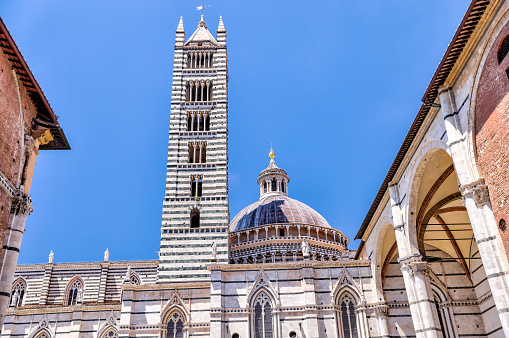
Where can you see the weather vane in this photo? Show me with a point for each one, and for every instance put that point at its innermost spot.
(202, 7)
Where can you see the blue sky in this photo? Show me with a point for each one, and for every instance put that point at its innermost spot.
(334, 85)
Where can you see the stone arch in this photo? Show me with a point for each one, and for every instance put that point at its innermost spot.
(377, 260)
(109, 329)
(70, 285)
(174, 318)
(42, 330)
(18, 289)
(420, 161)
(262, 305)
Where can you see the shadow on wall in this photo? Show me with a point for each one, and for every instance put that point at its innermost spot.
(268, 213)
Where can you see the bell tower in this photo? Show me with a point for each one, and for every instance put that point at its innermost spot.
(195, 220)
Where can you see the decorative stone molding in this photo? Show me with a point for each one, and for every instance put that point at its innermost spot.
(262, 281)
(414, 265)
(479, 192)
(345, 280)
(21, 204)
(381, 310)
(42, 326)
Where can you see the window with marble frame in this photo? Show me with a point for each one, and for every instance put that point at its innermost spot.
(263, 321)
(18, 292)
(175, 325)
(348, 323)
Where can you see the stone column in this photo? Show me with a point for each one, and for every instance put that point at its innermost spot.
(415, 275)
(382, 317)
(476, 199)
(21, 207)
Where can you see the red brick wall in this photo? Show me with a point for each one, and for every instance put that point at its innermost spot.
(10, 136)
(492, 131)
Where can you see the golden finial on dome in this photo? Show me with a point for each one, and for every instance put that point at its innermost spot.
(271, 154)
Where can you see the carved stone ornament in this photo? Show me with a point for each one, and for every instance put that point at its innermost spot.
(21, 204)
(43, 326)
(381, 309)
(479, 192)
(262, 281)
(416, 267)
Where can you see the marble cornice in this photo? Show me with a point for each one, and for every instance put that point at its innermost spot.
(44, 309)
(82, 265)
(166, 286)
(288, 265)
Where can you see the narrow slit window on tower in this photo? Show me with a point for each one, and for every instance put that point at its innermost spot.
(191, 153)
(200, 187)
(189, 121)
(207, 122)
(195, 123)
(203, 153)
(264, 186)
(195, 218)
(193, 186)
(202, 123)
(282, 186)
(274, 184)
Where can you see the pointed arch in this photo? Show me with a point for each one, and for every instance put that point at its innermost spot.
(263, 319)
(345, 283)
(135, 278)
(74, 291)
(109, 329)
(42, 330)
(18, 292)
(174, 318)
(262, 282)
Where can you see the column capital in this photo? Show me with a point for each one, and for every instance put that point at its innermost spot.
(21, 204)
(414, 265)
(478, 190)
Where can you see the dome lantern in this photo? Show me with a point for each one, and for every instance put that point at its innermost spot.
(273, 180)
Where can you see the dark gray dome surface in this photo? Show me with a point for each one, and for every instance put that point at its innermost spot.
(276, 209)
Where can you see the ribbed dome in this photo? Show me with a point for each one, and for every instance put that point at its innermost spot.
(276, 209)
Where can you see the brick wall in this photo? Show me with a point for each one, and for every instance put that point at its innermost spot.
(492, 130)
(10, 135)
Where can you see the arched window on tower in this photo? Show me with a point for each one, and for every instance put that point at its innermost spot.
(283, 186)
(195, 218)
(263, 319)
(347, 316)
(193, 186)
(192, 152)
(274, 184)
(265, 186)
(203, 152)
(200, 188)
(207, 121)
(18, 293)
(201, 123)
(189, 121)
(175, 325)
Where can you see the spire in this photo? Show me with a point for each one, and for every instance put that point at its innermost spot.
(202, 22)
(180, 27)
(271, 154)
(221, 28)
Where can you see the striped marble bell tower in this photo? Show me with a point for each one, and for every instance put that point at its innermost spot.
(195, 219)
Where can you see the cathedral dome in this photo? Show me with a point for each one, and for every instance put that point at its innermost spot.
(275, 209)
(274, 206)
